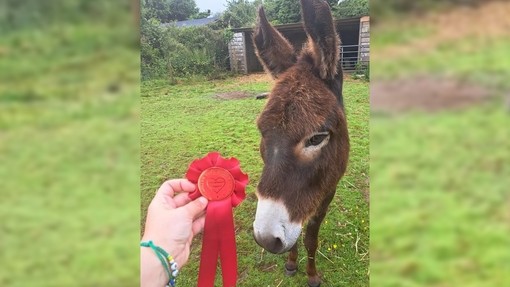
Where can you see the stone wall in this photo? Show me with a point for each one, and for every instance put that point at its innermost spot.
(236, 49)
(364, 40)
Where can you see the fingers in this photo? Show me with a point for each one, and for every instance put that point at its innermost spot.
(198, 225)
(170, 187)
(181, 199)
(194, 208)
(199, 215)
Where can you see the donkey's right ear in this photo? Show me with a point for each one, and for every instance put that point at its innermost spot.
(274, 51)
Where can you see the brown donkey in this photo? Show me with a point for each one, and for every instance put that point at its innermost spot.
(304, 145)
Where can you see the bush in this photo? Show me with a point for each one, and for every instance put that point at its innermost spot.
(196, 50)
(362, 71)
(191, 62)
(153, 62)
(173, 52)
(367, 73)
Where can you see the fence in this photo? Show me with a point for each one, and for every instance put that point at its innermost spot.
(353, 55)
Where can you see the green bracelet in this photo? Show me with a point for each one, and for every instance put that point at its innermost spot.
(166, 260)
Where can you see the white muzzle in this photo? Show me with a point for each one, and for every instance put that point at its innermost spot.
(272, 227)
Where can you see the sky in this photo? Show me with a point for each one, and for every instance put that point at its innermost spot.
(215, 5)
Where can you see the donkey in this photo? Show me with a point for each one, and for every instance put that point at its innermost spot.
(304, 144)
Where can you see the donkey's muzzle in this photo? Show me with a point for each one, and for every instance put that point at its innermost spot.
(272, 228)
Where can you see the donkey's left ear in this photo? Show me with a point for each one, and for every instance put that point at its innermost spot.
(323, 39)
(272, 49)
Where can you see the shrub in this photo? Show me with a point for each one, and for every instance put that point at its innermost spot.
(362, 71)
(153, 63)
(367, 73)
(196, 50)
(182, 52)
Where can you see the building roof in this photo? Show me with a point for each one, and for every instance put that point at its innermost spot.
(192, 22)
(299, 26)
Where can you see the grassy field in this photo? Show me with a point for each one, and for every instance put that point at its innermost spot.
(69, 157)
(439, 202)
(439, 208)
(184, 122)
(447, 43)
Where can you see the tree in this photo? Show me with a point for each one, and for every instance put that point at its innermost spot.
(169, 10)
(200, 15)
(288, 11)
(282, 11)
(239, 13)
(158, 9)
(182, 9)
(350, 8)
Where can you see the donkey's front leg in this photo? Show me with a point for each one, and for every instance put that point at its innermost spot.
(291, 265)
(312, 232)
(311, 242)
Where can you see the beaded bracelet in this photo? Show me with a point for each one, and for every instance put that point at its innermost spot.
(166, 260)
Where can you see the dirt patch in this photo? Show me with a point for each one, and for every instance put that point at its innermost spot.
(235, 95)
(425, 93)
(254, 78)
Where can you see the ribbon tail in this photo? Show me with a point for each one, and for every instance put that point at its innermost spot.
(210, 250)
(228, 252)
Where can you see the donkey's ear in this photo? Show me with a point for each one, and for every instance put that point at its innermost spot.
(274, 51)
(323, 39)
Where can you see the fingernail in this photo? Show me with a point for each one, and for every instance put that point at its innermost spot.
(203, 200)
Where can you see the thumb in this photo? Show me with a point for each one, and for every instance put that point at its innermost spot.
(196, 206)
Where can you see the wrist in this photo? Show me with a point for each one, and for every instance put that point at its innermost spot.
(152, 272)
(174, 249)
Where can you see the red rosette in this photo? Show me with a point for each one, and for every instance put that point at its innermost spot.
(223, 183)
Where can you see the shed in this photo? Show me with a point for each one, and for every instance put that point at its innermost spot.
(354, 34)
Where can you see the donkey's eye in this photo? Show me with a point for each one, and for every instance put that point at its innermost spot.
(316, 139)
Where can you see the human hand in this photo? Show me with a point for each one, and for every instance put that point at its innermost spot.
(172, 222)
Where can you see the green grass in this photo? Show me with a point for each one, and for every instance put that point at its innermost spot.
(485, 62)
(390, 33)
(184, 122)
(439, 201)
(439, 206)
(69, 152)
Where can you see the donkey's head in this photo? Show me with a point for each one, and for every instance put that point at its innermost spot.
(304, 142)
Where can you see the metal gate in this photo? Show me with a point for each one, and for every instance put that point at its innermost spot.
(354, 56)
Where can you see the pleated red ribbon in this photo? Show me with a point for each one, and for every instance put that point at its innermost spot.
(222, 182)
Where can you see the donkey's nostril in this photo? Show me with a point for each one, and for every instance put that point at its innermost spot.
(274, 245)
(270, 243)
(278, 245)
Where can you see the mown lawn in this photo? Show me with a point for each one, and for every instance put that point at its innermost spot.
(439, 202)
(69, 157)
(185, 121)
